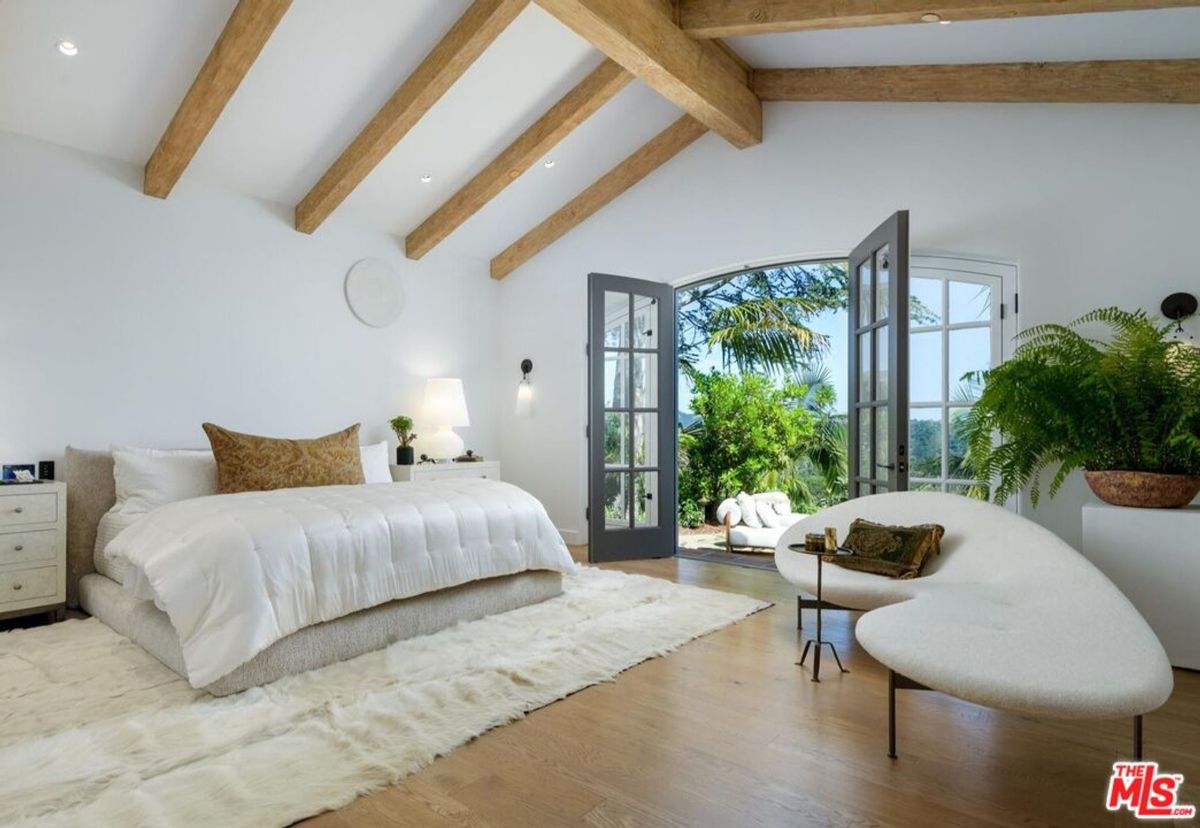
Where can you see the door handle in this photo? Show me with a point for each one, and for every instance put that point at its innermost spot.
(888, 466)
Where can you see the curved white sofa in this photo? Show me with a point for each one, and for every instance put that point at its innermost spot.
(1008, 616)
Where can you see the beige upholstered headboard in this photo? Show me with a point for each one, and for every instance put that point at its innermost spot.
(90, 493)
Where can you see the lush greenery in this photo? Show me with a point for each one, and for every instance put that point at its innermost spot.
(753, 434)
(771, 420)
(1129, 401)
(758, 320)
(403, 427)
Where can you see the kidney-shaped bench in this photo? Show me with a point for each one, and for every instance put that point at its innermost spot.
(1008, 616)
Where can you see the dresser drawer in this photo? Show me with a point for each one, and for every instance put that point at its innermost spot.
(28, 583)
(19, 509)
(451, 474)
(21, 547)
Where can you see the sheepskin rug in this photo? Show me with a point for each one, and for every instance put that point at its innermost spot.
(94, 731)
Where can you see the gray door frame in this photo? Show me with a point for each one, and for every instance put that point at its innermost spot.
(606, 540)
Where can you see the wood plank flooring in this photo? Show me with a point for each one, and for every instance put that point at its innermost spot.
(729, 732)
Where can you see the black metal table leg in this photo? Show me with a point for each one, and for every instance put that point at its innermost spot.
(892, 714)
(819, 641)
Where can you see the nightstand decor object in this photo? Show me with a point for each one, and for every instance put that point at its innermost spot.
(403, 426)
(445, 409)
(33, 549)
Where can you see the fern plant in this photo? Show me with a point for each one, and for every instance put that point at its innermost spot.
(1129, 401)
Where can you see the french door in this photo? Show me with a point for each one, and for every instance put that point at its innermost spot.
(631, 418)
(878, 351)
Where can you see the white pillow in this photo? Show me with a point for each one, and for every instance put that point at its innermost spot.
(376, 468)
(749, 510)
(149, 478)
(780, 500)
(767, 514)
(730, 507)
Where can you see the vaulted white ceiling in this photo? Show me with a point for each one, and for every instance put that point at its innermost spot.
(330, 65)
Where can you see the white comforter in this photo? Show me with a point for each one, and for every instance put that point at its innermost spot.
(238, 572)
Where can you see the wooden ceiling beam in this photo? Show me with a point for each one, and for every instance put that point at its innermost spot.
(467, 39)
(730, 18)
(700, 78)
(652, 155)
(246, 32)
(573, 109)
(1099, 81)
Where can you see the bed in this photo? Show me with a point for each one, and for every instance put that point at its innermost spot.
(91, 492)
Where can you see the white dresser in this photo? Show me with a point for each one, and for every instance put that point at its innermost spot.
(33, 548)
(1153, 556)
(489, 469)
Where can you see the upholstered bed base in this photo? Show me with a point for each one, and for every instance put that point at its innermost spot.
(323, 644)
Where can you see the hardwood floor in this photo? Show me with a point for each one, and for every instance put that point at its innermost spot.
(729, 732)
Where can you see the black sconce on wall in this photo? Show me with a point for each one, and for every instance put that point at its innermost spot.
(1180, 306)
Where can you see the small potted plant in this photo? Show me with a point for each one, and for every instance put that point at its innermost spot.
(403, 427)
(1125, 408)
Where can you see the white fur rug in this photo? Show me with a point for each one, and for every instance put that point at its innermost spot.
(94, 731)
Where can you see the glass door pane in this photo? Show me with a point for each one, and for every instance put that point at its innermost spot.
(954, 333)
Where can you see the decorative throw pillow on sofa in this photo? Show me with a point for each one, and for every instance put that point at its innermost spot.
(894, 551)
(729, 507)
(749, 510)
(767, 514)
(249, 463)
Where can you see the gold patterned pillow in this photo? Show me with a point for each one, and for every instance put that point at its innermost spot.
(249, 463)
(894, 551)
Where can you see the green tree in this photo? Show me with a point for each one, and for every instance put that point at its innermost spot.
(757, 319)
(749, 429)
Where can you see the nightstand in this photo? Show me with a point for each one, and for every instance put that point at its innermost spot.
(33, 549)
(489, 469)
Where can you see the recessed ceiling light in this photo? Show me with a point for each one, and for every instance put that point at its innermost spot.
(548, 163)
(931, 17)
(67, 48)
(425, 179)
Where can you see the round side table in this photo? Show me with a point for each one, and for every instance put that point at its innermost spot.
(819, 641)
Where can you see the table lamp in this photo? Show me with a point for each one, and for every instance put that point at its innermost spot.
(445, 409)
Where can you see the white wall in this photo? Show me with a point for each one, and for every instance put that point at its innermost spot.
(126, 319)
(1097, 205)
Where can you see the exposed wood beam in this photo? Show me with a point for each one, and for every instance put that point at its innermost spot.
(1100, 81)
(244, 35)
(467, 39)
(700, 78)
(652, 155)
(575, 107)
(729, 18)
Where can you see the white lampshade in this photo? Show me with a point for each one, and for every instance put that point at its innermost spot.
(445, 403)
(524, 399)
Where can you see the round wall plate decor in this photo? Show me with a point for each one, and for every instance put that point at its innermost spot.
(373, 293)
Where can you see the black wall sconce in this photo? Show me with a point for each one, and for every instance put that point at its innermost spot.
(1179, 306)
(525, 390)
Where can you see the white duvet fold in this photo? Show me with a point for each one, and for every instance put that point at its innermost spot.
(236, 573)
